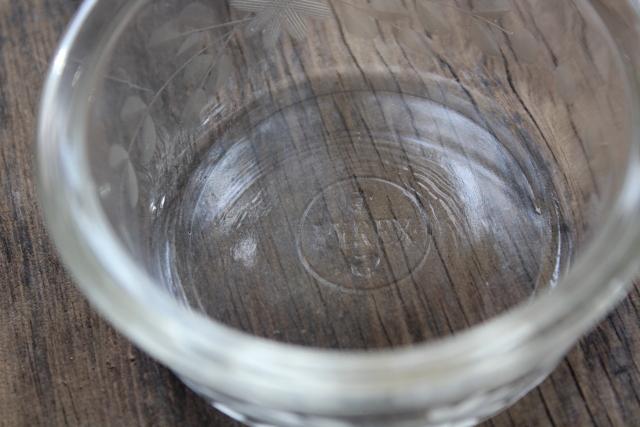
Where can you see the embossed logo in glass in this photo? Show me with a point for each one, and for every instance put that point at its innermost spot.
(363, 234)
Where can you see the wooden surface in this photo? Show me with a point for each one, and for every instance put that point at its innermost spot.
(60, 364)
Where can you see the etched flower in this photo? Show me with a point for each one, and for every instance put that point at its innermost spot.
(274, 16)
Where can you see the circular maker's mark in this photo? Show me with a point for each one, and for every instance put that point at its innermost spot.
(363, 234)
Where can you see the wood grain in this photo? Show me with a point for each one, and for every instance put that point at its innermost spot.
(60, 364)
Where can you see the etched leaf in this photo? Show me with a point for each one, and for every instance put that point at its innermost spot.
(132, 111)
(220, 73)
(149, 139)
(271, 28)
(433, 17)
(304, 7)
(482, 37)
(273, 16)
(135, 118)
(525, 45)
(193, 43)
(131, 184)
(125, 236)
(164, 34)
(117, 155)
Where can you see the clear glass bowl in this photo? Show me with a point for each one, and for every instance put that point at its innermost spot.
(348, 212)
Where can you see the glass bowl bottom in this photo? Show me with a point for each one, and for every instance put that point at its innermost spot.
(361, 219)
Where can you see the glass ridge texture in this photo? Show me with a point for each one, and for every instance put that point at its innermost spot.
(348, 212)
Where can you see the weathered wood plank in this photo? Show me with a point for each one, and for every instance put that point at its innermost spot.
(60, 364)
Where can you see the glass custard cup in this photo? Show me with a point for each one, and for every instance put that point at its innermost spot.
(337, 213)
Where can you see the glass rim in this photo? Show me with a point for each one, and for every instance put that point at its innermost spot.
(260, 370)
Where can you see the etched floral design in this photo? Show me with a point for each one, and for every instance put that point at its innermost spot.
(274, 16)
(120, 160)
(195, 44)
